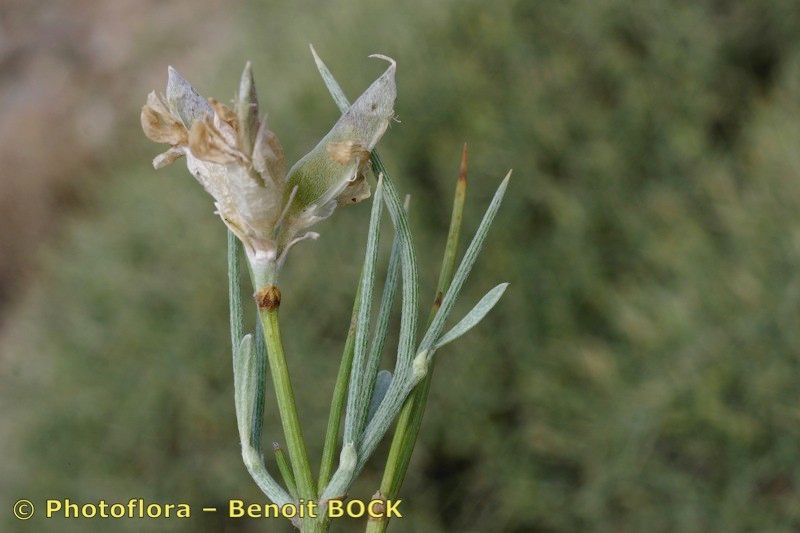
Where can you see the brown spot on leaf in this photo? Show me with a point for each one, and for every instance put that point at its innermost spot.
(346, 152)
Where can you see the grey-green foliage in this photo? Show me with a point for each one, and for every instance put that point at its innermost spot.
(357, 446)
(358, 392)
(249, 373)
(475, 315)
(641, 375)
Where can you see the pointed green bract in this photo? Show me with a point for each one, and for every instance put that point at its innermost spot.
(323, 173)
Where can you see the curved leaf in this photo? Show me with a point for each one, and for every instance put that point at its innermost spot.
(475, 315)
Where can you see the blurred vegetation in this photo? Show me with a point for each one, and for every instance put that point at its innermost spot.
(642, 372)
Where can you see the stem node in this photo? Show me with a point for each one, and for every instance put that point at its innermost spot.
(268, 298)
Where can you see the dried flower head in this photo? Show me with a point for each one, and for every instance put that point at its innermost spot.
(240, 162)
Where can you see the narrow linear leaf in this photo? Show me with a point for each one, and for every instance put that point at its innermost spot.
(247, 395)
(242, 356)
(247, 392)
(475, 315)
(399, 387)
(409, 420)
(382, 381)
(234, 290)
(460, 277)
(255, 355)
(339, 398)
(382, 322)
(357, 397)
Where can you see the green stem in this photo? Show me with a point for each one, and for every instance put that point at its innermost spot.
(285, 469)
(410, 418)
(339, 399)
(318, 525)
(298, 456)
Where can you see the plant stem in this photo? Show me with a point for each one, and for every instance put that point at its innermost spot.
(318, 525)
(285, 469)
(298, 456)
(339, 399)
(410, 417)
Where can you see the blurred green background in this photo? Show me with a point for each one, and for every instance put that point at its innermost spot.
(642, 373)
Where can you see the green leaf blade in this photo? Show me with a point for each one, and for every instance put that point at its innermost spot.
(475, 315)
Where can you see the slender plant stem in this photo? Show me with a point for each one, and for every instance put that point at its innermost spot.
(339, 399)
(285, 469)
(410, 418)
(298, 456)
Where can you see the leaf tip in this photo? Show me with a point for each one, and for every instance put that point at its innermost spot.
(317, 59)
(504, 184)
(501, 289)
(246, 83)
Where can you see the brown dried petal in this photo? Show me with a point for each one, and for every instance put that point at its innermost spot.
(168, 157)
(208, 144)
(225, 113)
(268, 158)
(159, 124)
(355, 191)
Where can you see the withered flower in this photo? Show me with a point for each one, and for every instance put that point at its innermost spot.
(240, 162)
